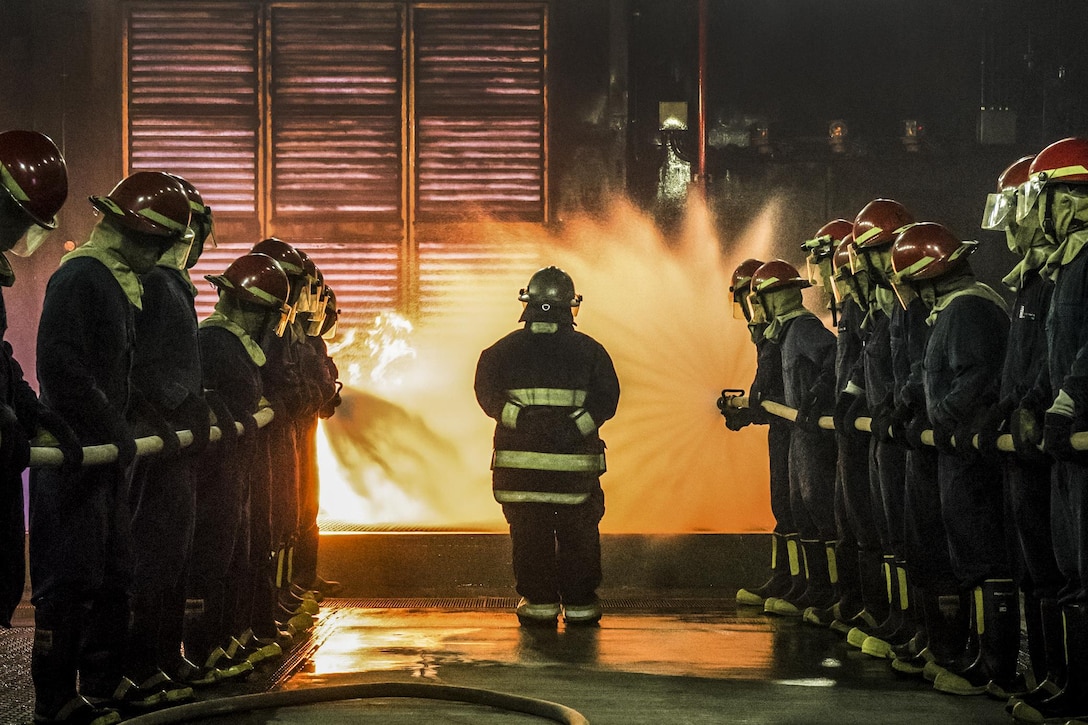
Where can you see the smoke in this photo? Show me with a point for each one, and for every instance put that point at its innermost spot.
(410, 446)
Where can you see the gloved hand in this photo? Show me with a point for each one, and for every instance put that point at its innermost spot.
(942, 440)
(194, 414)
(965, 445)
(812, 407)
(913, 432)
(1026, 433)
(224, 419)
(49, 420)
(847, 410)
(14, 444)
(1056, 431)
(881, 425)
(988, 426)
(328, 408)
(738, 418)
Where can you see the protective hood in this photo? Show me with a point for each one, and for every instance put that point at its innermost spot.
(1065, 253)
(1068, 209)
(103, 245)
(218, 319)
(782, 305)
(939, 295)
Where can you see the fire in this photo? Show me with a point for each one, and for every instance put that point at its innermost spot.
(410, 447)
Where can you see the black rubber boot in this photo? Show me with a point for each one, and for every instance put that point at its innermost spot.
(53, 665)
(1072, 702)
(997, 626)
(899, 627)
(779, 581)
(948, 624)
(1052, 627)
(827, 590)
(787, 604)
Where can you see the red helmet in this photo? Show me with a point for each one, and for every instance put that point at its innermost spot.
(196, 201)
(927, 250)
(1064, 161)
(842, 257)
(148, 202)
(256, 279)
(288, 257)
(777, 274)
(742, 275)
(33, 171)
(877, 224)
(1000, 206)
(1016, 174)
(829, 235)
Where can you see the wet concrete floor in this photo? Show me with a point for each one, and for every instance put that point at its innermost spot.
(721, 666)
(650, 661)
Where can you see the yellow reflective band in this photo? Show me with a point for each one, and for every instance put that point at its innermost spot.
(110, 204)
(916, 267)
(869, 234)
(509, 417)
(1066, 171)
(904, 591)
(768, 281)
(160, 219)
(558, 397)
(795, 563)
(533, 461)
(279, 568)
(888, 580)
(804, 558)
(291, 564)
(774, 551)
(583, 421)
(540, 497)
(12, 185)
(980, 615)
(832, 564)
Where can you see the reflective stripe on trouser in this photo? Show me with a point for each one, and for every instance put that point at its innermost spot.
(567, 462)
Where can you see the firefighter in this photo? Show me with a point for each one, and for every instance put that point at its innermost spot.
(808, 371)
(875, 227)
(856, 547)
(1027, 502)
(1057, 195)
(550, 388)
(80, 549)
(963, 356)
(33, 187)
(166, 380)
(288, 390)
(253, 293)
(321, 373)
(767, 385)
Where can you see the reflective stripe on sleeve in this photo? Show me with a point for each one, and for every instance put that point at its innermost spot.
(532, 460)
(540, 497)
(583, 421)
(509, 417)
(557, 397)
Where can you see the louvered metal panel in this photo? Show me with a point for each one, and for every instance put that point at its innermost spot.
(192, 97)
(364, 273)
(336, 100)
(480, 112)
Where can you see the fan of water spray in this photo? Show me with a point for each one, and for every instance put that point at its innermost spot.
(410, 446)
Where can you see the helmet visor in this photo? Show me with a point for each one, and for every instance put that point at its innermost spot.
(1000, 210)
(755, 305)
(1027, 195)
(31, 241)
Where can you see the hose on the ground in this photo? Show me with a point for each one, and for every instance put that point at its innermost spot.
(225, 706)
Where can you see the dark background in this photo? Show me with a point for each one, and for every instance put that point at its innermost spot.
(789, 65)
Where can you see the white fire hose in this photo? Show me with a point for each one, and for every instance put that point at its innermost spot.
(1079, 441)
(45, 456)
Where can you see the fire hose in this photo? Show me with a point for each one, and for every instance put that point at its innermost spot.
(227, 706)
(97, 455)
(1079, 441)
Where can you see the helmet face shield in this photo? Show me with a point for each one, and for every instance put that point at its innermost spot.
(1001, 209)
(758, 315)
(1027, 195)
(30, 242)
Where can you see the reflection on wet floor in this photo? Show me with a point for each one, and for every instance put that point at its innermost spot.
(640, 667)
